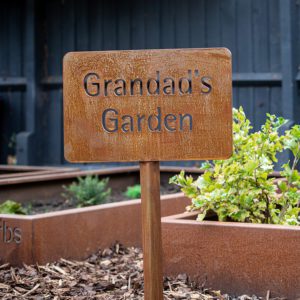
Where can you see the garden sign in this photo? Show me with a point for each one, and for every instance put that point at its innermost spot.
(148, 106)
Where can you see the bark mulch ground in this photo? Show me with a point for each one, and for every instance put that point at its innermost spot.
(115, 273)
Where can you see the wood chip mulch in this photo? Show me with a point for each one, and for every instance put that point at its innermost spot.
(115, 273)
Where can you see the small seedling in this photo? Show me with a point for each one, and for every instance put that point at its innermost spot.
(88, 191)
(133, 192)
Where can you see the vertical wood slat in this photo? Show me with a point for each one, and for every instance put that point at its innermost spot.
(96, 25)
(138, 40)
(228, 28)
(182, 24)
(123, 27)
(244, 59)
(4, 32)
(25, 140)
(274, 35)
(260, 59)
(244, 36)
(68, 30)
(152, 24)
(151, 230)
(54, 37)
(275, 103)
(197, 24)
(52, 114)
(82, 19)
(14, 100)
(109, 25)
(288, 67)
(213, 29)
(5, 109)
(167, 24)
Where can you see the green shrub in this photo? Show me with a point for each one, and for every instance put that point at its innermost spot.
(88, 191)
(240, 188)
(133, 192)
(12, 207)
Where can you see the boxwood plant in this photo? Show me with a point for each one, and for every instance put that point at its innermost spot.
(241, 188)
(88, 191)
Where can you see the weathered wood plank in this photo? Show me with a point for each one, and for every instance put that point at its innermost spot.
(151, 230)
(152, 25)
(167, 24)
(182, 24)
(109, 25)
(123, 26)
(138, 38)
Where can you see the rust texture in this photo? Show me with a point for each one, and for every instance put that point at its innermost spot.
(147, 105)
(235, 258)
(77, 233)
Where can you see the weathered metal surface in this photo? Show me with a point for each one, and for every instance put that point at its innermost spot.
(147, 105)
(75, 233)
(236, 258)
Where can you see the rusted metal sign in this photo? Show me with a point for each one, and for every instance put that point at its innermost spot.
(147, 105)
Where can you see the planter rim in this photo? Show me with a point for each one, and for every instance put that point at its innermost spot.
(184, 218)
(83, 209)
(31, 168)
(75, 173)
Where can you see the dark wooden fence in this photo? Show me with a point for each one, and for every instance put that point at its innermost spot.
(263, 36)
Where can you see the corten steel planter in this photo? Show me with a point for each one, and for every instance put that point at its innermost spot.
(49, 186)
(238, 258)
(76, 233)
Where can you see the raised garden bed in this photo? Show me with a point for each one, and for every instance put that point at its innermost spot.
(233, 257)
(74, 233)
(44, 192)
(213, 253)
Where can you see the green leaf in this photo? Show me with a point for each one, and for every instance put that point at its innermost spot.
(12, 207)
(283, 186)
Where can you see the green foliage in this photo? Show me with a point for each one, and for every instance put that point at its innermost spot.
(240, 188)
(12, 207)
(88, 191)
(133, 192)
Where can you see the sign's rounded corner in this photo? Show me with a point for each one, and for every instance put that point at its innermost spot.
(227, 52)
(68, 56)
(228, 155)
(68, 159)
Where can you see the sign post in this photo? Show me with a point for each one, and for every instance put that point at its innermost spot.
(148, 106)
(151, 229)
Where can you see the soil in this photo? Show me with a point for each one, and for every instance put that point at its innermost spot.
(111, 274)
(37, 207)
